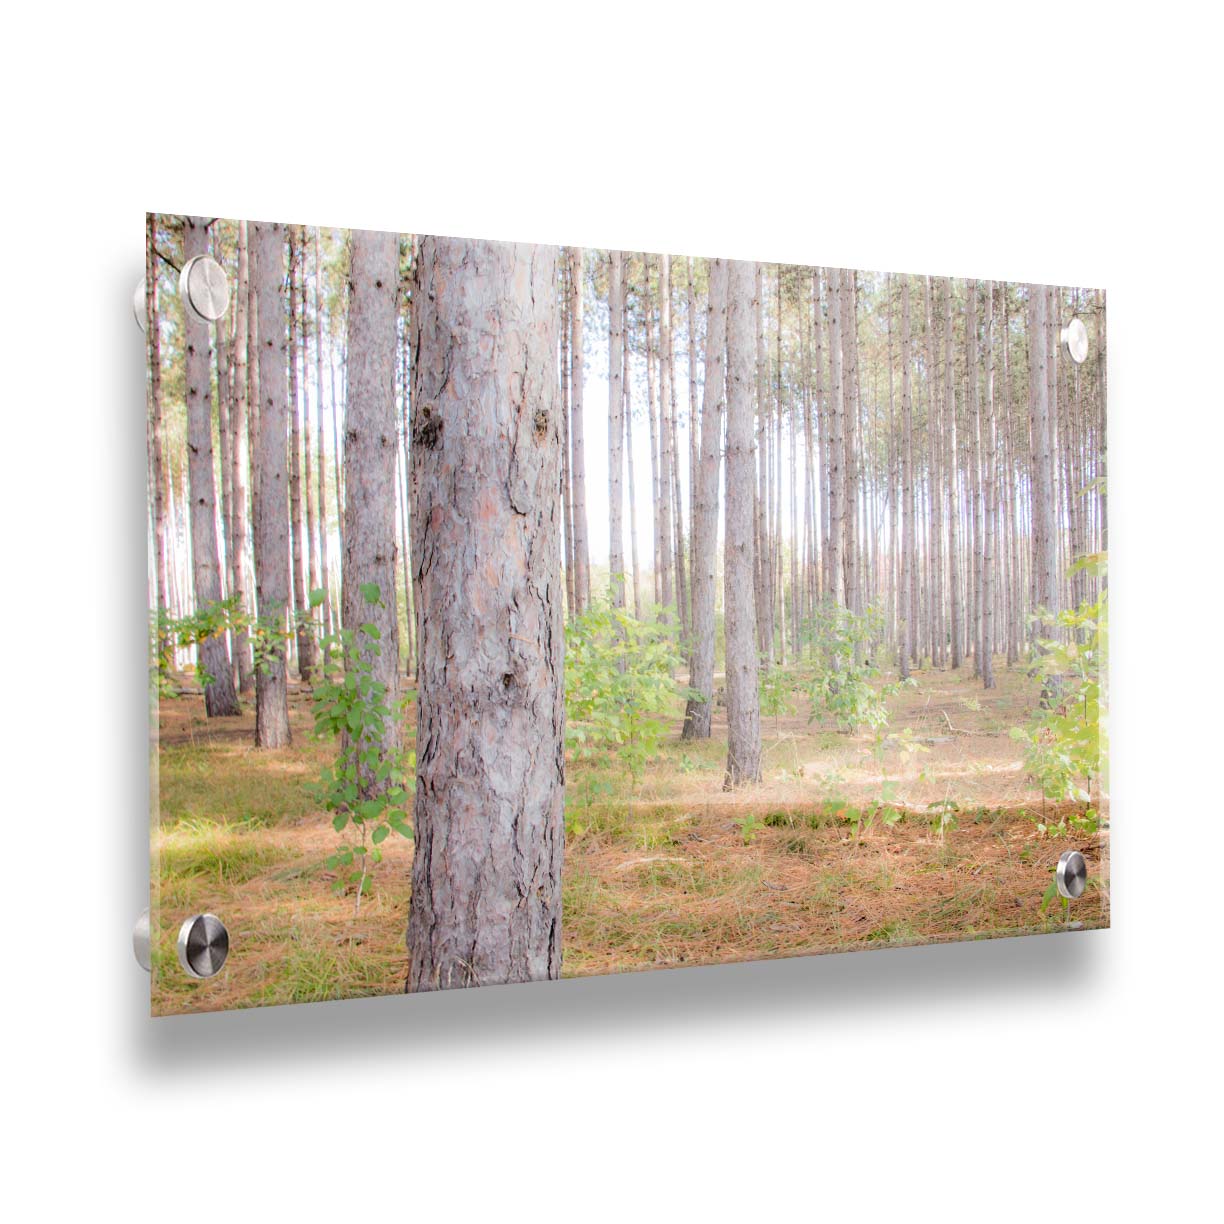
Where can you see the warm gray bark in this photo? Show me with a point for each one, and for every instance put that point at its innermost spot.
(616, 429)
(486, 448)
(370, 446)
(628, 415)
(743, 697)
(321, 435)
(761, 550)
(582, 554)
(156, 462)
(990, 507)
(837, 442)
(272, 503)
(220, 698)
(906, 647)
(698, 711)
(850, 411)
(974, 423)
(667, 587)
(953, 499)
(567, 486)
(1045, 558)
(241, 459)
(297, 526)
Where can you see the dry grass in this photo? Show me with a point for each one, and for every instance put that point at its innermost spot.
(679, 873)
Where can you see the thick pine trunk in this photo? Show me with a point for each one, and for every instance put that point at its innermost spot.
(272, 502)
(156, 474)
(371, 442)
(697, 713)
(305, 638)
(220, 698)
(743, 697)
(486, 447)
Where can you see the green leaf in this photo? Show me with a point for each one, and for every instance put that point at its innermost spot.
(380, 834)
(370, 592)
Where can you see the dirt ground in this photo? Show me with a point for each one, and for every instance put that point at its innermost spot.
(671, 872)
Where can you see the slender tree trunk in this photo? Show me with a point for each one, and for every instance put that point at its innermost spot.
(489, 828)
(990, 490)
(953, 498)
(666, 551)
(305, 638)
(761, 551)
(272, 504)
(1045, 560)
(324, 549)
(698, 711)
(582, 556)
(616, 428)
(370, 448)
(220, 699)
(907, 487)
(241, 458)
(628, 414)
(975, 467)
(837, 443)
(743, 697)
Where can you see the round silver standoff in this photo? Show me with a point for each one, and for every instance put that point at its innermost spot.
(138, 306)
(140, 941)
(204, 289)
(1075, 337)
(1071, 875)
(203, 945)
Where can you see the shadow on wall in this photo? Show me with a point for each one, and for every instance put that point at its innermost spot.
(590, 1011)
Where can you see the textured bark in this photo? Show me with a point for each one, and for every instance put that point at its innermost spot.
(156, 463)
(697, 713)
(837, 442)
(582, 554)
(616, 429)
(956, 630)
(272, 505)
(241, 459)
(628, 414)
(761, 550)
(975, 467)
(486, 446)
(1045, 574)
(743, 697)
(907, 488)
(849, 330)
(567, 486)
(220, 698)
(667, 588)
(370, 446)
(321, 435)
(990, 506)
(305, 639)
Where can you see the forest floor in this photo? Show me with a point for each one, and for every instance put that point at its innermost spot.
(675, 873)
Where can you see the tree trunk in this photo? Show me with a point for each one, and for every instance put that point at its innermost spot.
(616, 429)
(324, 558)
(743, 697)
(698, 711)
(990, 492)
(156, 474)
(370, 446)
(1045, 559)
(305, 638)
(220, 699)
(489, 828)
(241, 458)
(272, 503)
(907, 488)
(582, 556)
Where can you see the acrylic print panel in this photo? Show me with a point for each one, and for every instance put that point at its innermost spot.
(526, 612)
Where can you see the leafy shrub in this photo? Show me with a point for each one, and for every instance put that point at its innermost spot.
(1065, 744)
(366, 787)
(618, 685)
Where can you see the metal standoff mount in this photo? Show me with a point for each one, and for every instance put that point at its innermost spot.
(1075, 337)
(140, 941)
(203, 945)
(1071, 875)
(204, 289)
(139, 308)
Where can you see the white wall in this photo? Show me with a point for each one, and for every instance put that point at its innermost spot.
(1053, 143)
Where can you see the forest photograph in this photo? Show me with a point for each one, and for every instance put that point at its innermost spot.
(521, 612)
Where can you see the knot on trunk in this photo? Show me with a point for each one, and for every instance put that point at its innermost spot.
(428, 428)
